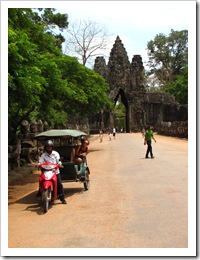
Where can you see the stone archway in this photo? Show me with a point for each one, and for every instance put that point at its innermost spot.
(125, 103)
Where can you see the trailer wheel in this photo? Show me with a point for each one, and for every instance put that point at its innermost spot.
(87, 180)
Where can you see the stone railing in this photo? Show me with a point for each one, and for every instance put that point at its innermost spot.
(175, 129)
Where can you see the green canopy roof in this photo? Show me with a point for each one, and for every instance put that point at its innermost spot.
(67, 133)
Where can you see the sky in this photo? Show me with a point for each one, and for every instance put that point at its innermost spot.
(135, 22)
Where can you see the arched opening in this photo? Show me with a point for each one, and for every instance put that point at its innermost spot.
(122, 112)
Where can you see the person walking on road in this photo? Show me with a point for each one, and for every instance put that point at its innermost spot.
(114, 133)
(109, 136)
(100, 136)
(149, 135)
(143, 132)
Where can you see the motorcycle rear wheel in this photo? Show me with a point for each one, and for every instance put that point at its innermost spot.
(46, 198)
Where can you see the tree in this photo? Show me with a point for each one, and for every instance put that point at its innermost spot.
(168, 59)
(44, 83)
(86, 39)
(51, 21)
(27, 42)
(87, 89)
(179, 87)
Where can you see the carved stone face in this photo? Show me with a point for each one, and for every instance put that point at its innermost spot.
(24, 127)
(46, 126)
(40, 126)
(33, 127)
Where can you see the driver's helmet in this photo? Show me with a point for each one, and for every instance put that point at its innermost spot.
(48, 143)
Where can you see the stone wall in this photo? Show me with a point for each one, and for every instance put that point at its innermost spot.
(175, 129)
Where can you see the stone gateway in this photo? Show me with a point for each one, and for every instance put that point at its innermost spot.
(143, 108)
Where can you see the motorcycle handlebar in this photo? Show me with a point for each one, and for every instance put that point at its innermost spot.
(45, 165)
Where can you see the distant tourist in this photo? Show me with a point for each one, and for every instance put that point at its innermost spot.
(110, 136)
(143, 132)
(114, 133)
(100, 136)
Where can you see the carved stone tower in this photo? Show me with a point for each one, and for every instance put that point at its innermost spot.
(126, 80)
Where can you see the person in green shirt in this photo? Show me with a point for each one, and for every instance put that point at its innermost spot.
(148, 136)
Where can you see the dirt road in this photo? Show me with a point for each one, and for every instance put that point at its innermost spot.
(133, 202)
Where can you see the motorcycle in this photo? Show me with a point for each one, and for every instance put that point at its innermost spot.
(48, 183)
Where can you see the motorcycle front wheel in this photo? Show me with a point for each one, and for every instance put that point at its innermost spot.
(46, 198)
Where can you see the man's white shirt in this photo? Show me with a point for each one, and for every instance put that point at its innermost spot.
(54, 157)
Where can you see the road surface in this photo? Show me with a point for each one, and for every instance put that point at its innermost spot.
(133, 202)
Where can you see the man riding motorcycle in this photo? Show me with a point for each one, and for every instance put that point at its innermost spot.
(52, 156)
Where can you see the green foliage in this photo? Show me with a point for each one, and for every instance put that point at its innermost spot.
(24, 77)
(43, 83)
(86, 90)
(179, 87)
(51, 19)
(168, 61)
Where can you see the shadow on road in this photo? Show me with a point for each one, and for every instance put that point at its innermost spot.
(35, 204)
(95, 150)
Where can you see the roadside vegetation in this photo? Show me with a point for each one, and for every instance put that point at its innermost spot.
(46, 84)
